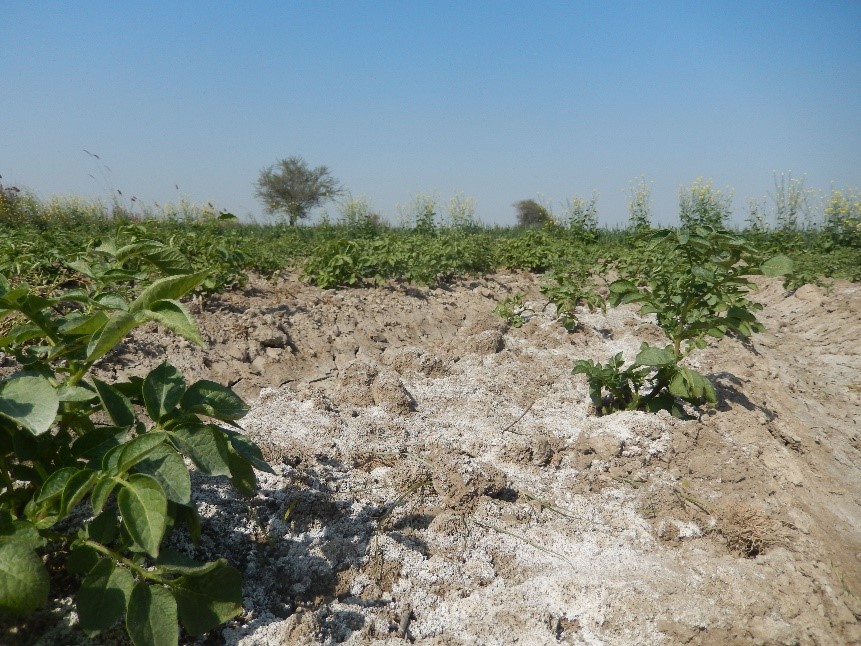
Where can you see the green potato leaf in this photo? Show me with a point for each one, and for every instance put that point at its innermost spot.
(248, 450)
(169, 288)
(163, 389)
(206, 445)
(242, 475)
(143, 506)
(151, 617)
(167, 466)
(778, 266)
(170, 561)
(175, 317)
(24, 580)
(110, 335)
(212, 399)
(655, 357)
(78, 486)
(53, 487)
(30, 401)
(123, 457)
(116, 405)
(209, 599)
(82, 325)
(103, 596)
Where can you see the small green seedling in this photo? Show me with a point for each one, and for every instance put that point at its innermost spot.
(513, 311)
(567, 291)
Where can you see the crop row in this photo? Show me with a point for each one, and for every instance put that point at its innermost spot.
(37, 246)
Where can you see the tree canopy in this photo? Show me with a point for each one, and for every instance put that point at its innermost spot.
(293, 188)
(531, 213)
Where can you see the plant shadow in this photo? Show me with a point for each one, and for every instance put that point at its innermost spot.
(299, 545)
(728, 388)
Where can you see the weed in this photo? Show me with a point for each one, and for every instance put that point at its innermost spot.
(421, 213)
(358, 217)
(461, 212)
(701, 204)
(843, 217)
(582, 216)
(791, 202)
(639, 205)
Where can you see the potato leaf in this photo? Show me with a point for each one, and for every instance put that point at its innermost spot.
(242, 475)
(175, 317)
(206, 446)
(171, 287)
(163, 389)
(110, 335)
(151, 618)
(778, 266)
(143, 506)
(248, 450)
(212, 399)
(167, 466)
(655, 357)
(78, 486)
(116, 405)
(209, 599)
(104, 596)
(124, 457)
(30, 401)
(24, 580)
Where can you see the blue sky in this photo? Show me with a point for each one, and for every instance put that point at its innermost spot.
(500, 100)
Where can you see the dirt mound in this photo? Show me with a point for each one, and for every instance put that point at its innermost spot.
(440, 476)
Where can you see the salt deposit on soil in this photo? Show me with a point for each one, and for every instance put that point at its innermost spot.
(440, 477)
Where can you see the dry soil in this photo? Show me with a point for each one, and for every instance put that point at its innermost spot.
(441, 477)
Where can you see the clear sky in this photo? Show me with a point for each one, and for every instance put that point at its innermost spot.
(500, 100)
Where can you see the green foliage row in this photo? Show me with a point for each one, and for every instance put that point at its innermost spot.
(39, 238)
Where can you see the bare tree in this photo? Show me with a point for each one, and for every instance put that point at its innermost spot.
(291, 187)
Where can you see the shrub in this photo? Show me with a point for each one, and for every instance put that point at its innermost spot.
(531, 213)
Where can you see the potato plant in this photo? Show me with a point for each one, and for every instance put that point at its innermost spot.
(568, 290)
(695, 283)
(92, 473)
(513, 310)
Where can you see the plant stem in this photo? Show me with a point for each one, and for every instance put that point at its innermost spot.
(134, 567)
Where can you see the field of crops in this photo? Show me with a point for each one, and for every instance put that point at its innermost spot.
(445, 433)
